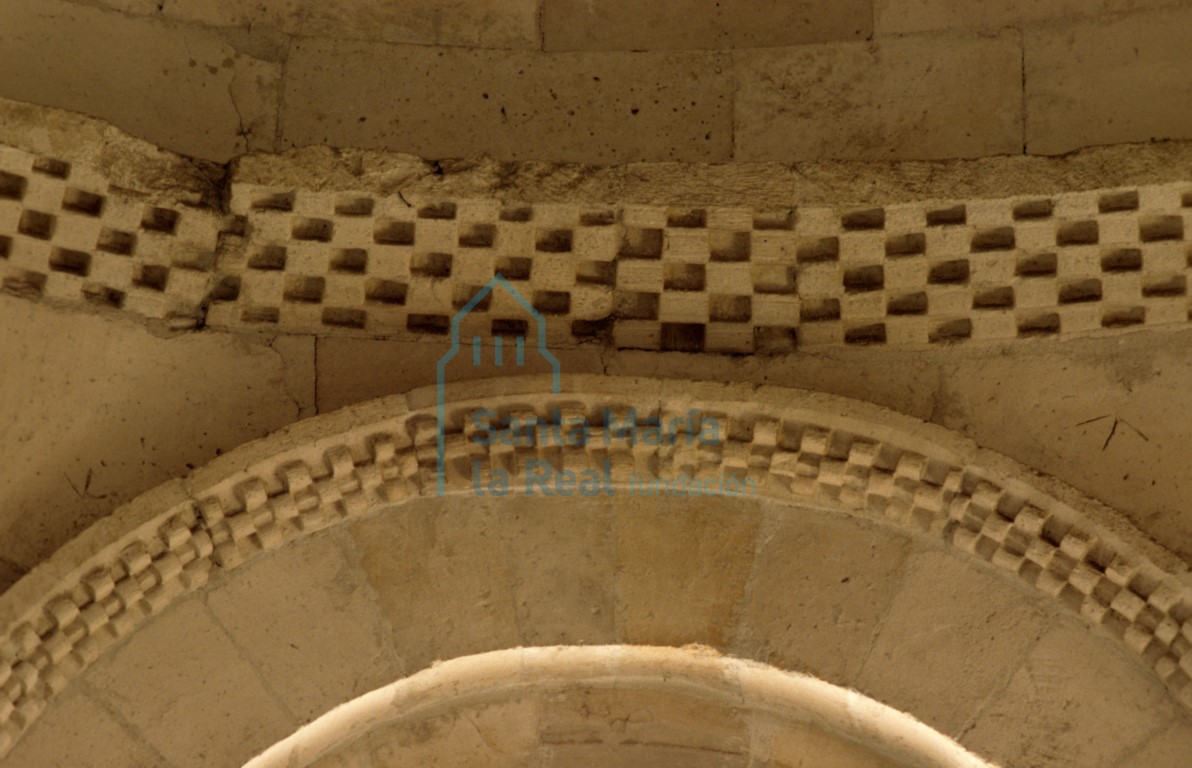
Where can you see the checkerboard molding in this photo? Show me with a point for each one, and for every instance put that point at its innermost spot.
(338, 260)
(798, 449)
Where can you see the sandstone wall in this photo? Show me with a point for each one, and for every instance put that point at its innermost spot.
(1038, 305)
(612, 81)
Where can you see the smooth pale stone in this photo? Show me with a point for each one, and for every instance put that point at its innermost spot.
(820, 587)
(182, 669)
(563, 570)
(682, 566)
(442, 578)
(77, 732)
(938, 631)
(109, 410)
(650, 718)
(498, 735)
(1068, 704)
(306, 620)
(794, 745)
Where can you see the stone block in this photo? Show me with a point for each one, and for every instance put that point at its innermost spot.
(498, 735)
(616, 719)
(451, 102)
(184, 662)
(1097, 83)
(1169, 748)
(563, 571)
(637, 756)
(682, 565)
(78, 732)
(794, 742)
(923, 98)
(134, 408)
(442, 579)
(470, 23)
(1065, 705)
(898, 17)
(354, 370)
(148, 77)
(940, 630)
(305, 619)
(580, 25)
(820, 587)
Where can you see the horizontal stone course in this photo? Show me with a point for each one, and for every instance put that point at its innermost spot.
(570, 25)
(451, 102)
(895, 17)
(610, 81)
(473, 23)
(923, 97)
(737, 279)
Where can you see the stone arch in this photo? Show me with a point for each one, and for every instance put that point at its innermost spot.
(888, 523)
(665, 704)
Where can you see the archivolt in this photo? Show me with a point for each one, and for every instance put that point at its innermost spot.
(723, 687)
(794, 445)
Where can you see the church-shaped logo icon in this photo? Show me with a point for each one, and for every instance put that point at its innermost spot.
(501, 357)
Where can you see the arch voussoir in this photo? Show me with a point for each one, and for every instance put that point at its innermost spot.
(792, 447)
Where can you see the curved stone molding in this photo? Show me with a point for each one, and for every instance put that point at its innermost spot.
(797, 447)
(376, 249)
(861, 729)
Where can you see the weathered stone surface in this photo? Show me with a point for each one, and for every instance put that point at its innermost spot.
(682, 566)
(355, 370)
(769, 187)
(570, 25)
(184, 662)
(1108, 416)
(948, 623)
(1052, 709)
(895, 17)
(1096, 83)
(921, 98)
(472, 23)
(638, 756)
(186, 89)
(128, 410)
(611, 717)
(793, 744)
(563, 572)
(140, 7)
(451, 102)
(442, 580)
(81, 734)
(299, 376)
(499, 735)
(312, 632)
(1169, 747)
(818, 593)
